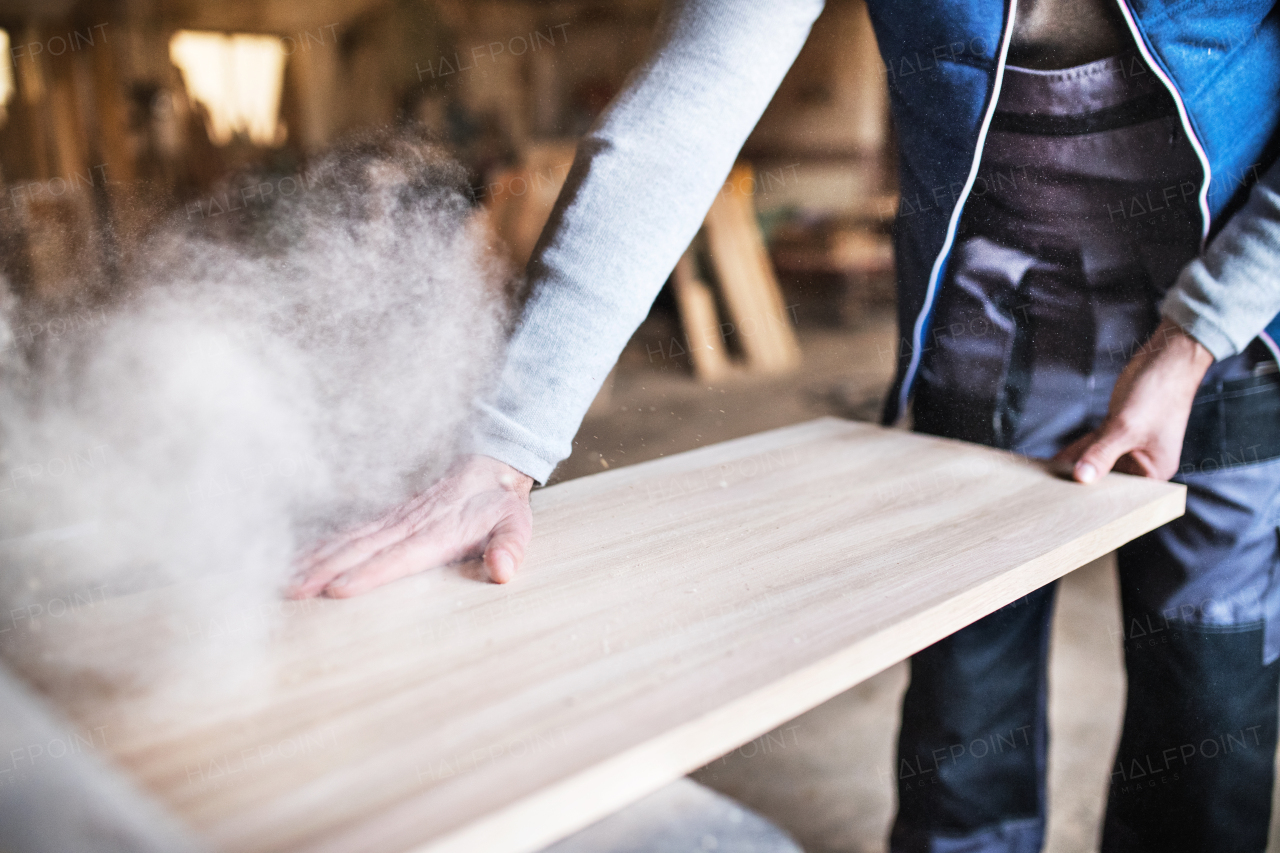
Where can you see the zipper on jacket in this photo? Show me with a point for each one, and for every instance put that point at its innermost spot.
(1183, 117)
(917, 337)
(917, 334)
(1270, 344)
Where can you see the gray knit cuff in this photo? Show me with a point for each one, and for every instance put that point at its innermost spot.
(1177, 308)
(1200, 327)
(499, 440)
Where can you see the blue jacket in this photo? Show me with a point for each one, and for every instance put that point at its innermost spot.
(650, 167)
(945, 62)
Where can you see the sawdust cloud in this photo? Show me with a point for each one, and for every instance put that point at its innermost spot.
(259, 381)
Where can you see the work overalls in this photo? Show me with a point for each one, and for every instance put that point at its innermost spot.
(1083, 213)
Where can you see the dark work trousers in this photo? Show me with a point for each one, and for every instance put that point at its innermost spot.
(1083, 212)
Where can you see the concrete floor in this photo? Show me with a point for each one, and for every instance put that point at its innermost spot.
(825, 777)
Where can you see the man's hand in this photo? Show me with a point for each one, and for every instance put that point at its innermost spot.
(1143, 431)
(480, 507)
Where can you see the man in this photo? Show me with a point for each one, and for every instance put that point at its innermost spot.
(1145, 235)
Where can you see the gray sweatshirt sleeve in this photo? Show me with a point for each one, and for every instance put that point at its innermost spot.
(640, 185)
(1225, 297)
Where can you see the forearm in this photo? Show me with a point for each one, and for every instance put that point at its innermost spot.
(638, 190)
(1231, 292)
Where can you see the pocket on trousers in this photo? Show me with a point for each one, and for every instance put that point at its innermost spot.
(1233, 423)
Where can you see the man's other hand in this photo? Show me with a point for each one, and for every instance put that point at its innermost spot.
(1150, 405)
(481, 507)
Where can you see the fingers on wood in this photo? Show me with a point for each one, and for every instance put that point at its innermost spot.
(403, 558)
(505, 550)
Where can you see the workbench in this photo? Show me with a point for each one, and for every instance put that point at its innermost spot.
(667, 613)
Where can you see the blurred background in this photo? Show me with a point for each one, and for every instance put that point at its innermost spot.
(116, 112)
(116, 115)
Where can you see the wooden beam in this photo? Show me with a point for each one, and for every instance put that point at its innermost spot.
(520, 199)
(668, 612)
(697, 306)
(66, 113)
(33, 90)
(746, 279)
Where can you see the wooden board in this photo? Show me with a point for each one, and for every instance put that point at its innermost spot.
(700, 320)
(746, 277)
(668, 612)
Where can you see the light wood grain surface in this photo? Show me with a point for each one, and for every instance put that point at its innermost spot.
(668, 612)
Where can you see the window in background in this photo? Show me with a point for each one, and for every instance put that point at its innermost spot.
(238, 78)
(6, 77)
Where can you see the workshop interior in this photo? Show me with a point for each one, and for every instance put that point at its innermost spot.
(638, 426)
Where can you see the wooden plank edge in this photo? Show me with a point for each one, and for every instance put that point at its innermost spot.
(718, 453)
(594, 793)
